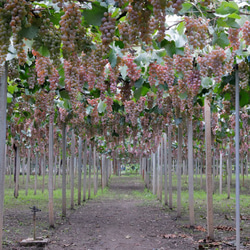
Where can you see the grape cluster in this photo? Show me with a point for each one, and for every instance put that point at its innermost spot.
(246, 32)
(160, 74)
(44, 69)
(150, 100)
(196, 31)
(13, 69)
(32, 77)
(159, 11)
(95, 65)
(176, 5)
(124, 32)
(244, 74)
(70, 24)
(112, 79)
(108, 29)
(213, 64)
(194, 82)
(183, 64)
(5, 31)
(49, 37)
(121, 3)
(139, 22)
(132, 71)
(233, 36)
(125, 91)
(20, 15)
(130, 108)
(94, 114)
(109, 101)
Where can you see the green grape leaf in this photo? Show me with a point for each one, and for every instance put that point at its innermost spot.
(139, 82)
(244, 97)
(9, 98)
(12, 89)
(64, 94)
(44, 51)
(112, 58)
(180, 28)
(101, 107)
(94, 16)
(30, 32)
(221, 39)
(138, 93)
(227, 7)
(169, 46)
(206, 82)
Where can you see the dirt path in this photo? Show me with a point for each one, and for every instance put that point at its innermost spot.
(121, 219)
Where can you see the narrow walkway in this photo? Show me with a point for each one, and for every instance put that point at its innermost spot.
(122, 219)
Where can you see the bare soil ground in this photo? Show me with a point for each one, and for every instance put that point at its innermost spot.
(123, 218)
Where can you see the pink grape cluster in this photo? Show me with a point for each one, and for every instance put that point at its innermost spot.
(160, 74)
(159, 11)
(70, 24)
(94, 114)
(49, 37)
(130, 109)
(175, 4)
(213, 64)
(44, 68)
(108, 29)
(109, 101)
(244, 75)
(233, 36)
(133, 72)
(246, 32)
(194, 82)
(183, 64)
(20, 14)
(139, 20)
(196, 31)
(124, 32)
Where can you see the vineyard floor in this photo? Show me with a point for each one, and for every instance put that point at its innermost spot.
(126, 216)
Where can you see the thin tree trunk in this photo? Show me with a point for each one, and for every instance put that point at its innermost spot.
(85, 171)
(95, 170)
(23, 167)
(55, 173)
(221, 171)
(64, 143)
(170, 203)
(36, 170)
(3, 104)
(72, 177)
(79, 170)
(242, 171)
(165, 169)
(201, 177)
(59, 171)
(10, 173)
(228, 174)
(17, 171)
(90, 166)
(210, 227)
(190, 173)
(159, 167)
(27, 173)
(154, 175)
(43, 163)
(50, 181)
(179, 167)
(103, 171)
